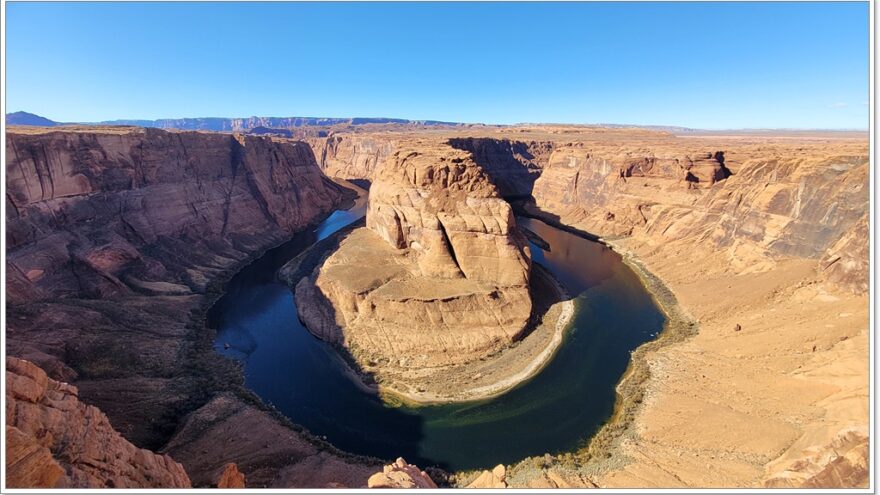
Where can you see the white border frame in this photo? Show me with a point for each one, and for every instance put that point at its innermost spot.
(872, 343)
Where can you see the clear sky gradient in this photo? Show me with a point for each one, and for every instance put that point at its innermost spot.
(705, 65)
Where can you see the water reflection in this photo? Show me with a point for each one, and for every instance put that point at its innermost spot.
(553, 412)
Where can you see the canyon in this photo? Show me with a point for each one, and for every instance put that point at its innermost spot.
(119, 238)
(762, 240)
(438, 278)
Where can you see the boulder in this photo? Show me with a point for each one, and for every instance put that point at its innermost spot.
(399, 474)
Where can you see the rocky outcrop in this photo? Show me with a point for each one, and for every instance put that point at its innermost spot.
(496, 478)
(841, 463)
(229, 477)
(513, 166)
(84, 206)
(846, 262)
(229, 430)
(609, 190)
(117, 239)
(810, 205)
(771, 227)
(401, 475)
(55, 441)
(352, 156)
(439, 276)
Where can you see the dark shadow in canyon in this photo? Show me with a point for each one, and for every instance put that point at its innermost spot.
(513, 166)
(527, 208)
(287, 367)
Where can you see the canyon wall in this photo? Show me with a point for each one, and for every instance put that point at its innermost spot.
(513, 166)
(55, 441)
(117, 239)
(352, 156)
(438, 277)
(805, 205)
(755, 200)
(98, 215)
(763, 240)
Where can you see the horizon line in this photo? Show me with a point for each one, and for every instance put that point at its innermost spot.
(452, 122)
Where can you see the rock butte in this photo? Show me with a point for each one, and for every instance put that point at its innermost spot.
(439, 276)
(116, 236)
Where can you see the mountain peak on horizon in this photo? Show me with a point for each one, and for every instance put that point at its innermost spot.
(26, 118)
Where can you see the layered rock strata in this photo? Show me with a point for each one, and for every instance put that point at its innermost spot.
(809, 205)
(400, 474)
(763, 239)
(116, 240)
(352, 156)
(440, 275)
(53, 440)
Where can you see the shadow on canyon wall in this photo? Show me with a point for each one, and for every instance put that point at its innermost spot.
(257, 322)
(513, 166)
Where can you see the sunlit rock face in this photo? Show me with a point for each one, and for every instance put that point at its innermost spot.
(352, 156)
(55, 441)
(439, 275)
(400, 474)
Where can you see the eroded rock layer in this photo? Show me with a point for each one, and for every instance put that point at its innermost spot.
(55, 441)
(351, 157)
(809, 205)
(763, 239)
(439, 276)
(117, 239)
(400, 474)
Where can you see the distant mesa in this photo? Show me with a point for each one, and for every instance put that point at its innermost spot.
(223, 124)
(269, 131)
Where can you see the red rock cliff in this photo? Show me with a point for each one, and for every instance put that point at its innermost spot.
(55, 441)
(116, 238)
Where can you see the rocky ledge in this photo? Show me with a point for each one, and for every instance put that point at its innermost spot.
(55, 441)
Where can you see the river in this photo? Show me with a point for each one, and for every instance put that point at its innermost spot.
(555, 411)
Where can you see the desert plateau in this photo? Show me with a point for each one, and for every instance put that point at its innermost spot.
(486, 246)
(753, 248)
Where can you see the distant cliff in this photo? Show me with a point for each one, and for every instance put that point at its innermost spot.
(248, 123)
(225, 124)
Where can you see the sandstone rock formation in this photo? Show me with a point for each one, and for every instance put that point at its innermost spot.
(352, 156)
(773, 207)
(401, 475)
(117, 239)
(513, 166)
(84, 207)
(55, 441)
(774, 227)
(842, 462)
(273, 455)
(117, 236)
(229, 477)
(439, 276)
(490, 479)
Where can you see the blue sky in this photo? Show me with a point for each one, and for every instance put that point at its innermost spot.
(707, 65)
